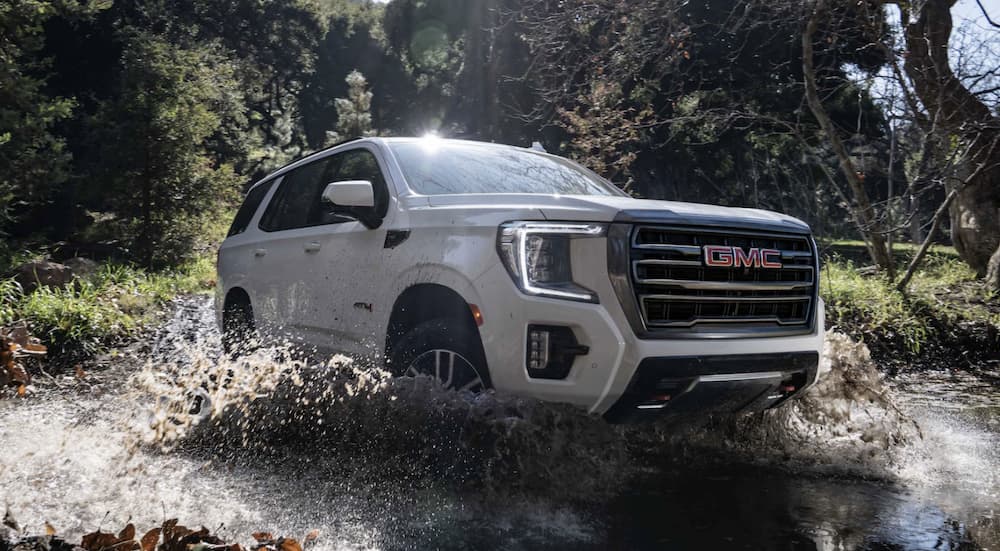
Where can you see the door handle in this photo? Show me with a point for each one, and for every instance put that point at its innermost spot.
(259, 252)
(311, 247)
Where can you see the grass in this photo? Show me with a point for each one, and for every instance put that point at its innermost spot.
(943, 302)
(103, 308)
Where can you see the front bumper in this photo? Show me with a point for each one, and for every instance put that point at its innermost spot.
(613, 373)
(714, 384)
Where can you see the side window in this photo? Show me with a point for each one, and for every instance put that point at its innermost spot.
(298, 193)
(249, 208)
(360, 164)
(356, 164)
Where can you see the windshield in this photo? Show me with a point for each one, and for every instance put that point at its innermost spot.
(442, 168)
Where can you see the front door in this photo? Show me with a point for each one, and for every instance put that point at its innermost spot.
(339, 314)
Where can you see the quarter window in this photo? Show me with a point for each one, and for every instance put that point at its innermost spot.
(249, 208)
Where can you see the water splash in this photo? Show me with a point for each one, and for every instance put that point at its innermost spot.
(382, 427)
(281, 444)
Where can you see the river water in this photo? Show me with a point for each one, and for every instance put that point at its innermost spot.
(377, 463)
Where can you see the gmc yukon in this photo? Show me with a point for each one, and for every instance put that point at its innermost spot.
(490, 266)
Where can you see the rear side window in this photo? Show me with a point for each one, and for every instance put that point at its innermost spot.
(248, 208)
(298, 193)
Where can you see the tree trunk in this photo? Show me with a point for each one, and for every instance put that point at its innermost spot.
(864, 213)
(975, 213)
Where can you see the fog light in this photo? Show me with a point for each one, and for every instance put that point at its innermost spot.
(538, 349)
(551, 350)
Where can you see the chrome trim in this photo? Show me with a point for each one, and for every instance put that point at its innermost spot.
(690, 250)
(660, 262)
(731, 320)
(725, 377)
(702, 285)
(795, 254)
(716, 231)
(691, 298)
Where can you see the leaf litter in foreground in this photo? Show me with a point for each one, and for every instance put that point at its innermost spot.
(170, 536)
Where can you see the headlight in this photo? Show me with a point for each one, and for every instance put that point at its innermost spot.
(537, 256)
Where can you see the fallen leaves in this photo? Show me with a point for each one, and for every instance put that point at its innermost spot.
(169, 536)
(149, 540)
(267, 542)
(106, 541)
(16, 344)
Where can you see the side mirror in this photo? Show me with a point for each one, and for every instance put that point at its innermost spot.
(350, 193)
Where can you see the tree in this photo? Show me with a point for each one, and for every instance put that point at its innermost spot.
(869, 224)
(160, 179)
(354, 118)
(34, 161)
(354, 42)
(721, 89)
(604, 135)
(959, 116)
(273, 44)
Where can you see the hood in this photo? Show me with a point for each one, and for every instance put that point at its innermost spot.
(597, 208)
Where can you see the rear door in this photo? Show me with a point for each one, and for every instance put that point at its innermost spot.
(236, 254)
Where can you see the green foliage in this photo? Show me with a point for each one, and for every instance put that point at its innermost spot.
(75, 319)
(944, 293)
(136, 122)
(100, 310)
(158, 168)
(33, 156)
(10, 293)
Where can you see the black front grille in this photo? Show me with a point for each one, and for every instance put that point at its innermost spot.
(675, 289)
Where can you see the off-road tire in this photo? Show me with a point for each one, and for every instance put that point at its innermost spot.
(446, 349)
(238, 331)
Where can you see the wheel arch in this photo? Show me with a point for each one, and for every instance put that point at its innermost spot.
(234, 296)
(423, 302)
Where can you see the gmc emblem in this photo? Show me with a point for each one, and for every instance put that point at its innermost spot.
(719, 256)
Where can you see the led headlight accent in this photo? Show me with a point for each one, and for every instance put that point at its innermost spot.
(537, 255)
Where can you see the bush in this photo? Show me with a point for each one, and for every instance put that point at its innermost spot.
(105, 308)
(944, 296)
(76, 319)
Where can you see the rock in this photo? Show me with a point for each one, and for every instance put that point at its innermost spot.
(32, 275)
(81, 266)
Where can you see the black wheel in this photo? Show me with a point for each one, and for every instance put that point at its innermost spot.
(447, 350)
(238, 331)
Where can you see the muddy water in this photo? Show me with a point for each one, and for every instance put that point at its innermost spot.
(377, 463)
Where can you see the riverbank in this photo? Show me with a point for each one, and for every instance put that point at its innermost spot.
(107, 306)
(945, 318)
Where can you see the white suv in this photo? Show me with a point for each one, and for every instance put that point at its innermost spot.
(491, 266)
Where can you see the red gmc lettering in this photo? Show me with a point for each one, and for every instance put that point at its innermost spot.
(718, 256)
(766, 256)
(746, 259)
